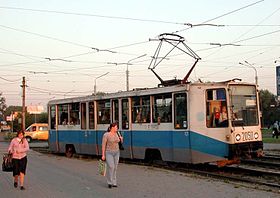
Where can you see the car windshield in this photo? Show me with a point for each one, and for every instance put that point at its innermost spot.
(243, 104)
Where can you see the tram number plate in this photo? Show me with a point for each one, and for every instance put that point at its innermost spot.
(247, 136)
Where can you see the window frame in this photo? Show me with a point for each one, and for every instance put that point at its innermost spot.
(182, 124)
(214, 105)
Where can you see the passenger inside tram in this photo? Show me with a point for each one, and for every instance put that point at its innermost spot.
(223, 122)
(139, 116)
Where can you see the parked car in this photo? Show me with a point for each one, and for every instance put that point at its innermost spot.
(37, 131)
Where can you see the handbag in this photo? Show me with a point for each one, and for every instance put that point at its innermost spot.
(7, 164)
(102, 167)
(120, 143)
(121, 146)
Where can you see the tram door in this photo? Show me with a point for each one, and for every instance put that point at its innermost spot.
(181, 136)
(88, 137)
(53, 133)
(124, 128)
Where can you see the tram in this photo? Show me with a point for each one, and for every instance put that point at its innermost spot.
(177, 121)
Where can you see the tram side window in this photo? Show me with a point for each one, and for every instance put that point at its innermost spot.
(63, 114)
(103, 109)
(162, 108)
(84, 116)
(216, 108)
(74, 114)
(141, 109)
(115, 110)
(52, 115)
(180, 102)
(91, 115)
(125, 114)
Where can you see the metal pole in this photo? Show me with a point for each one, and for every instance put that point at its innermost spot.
(96, 79)
(12, 121)
(127, 78)
(256, 72)
(95, 87)
(251, 66)
(127, 72)
(23, 104)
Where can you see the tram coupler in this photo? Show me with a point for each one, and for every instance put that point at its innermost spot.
(260, 153)
(223, 163)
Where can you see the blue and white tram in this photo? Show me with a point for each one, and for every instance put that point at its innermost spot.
(189, 123)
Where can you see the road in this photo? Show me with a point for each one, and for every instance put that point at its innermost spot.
(51, 175)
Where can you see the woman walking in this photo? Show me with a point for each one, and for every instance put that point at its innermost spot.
(18, 147)
(111, 153)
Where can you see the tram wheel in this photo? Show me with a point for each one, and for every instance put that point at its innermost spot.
(69, 151)
(152, 156)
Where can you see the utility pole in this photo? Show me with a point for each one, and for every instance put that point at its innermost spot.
(254, 68)
(12, 114)
(96, 79)
(23, 104)
(127, 72)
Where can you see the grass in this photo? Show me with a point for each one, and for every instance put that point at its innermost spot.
(267, 137)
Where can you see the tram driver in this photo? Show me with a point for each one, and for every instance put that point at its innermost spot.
(223, 120)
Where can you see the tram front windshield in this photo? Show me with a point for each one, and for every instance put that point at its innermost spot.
(243, 107)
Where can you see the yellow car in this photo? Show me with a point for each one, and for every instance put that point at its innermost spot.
(37, 131)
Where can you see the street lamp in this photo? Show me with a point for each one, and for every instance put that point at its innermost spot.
(67, 93)
(96, 79)
(127, 72)
(251, 66)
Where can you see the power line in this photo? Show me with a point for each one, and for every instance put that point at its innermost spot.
(93, 15)
(48, 37)
(258, 24)
(220, 16)
(10, 80)
(76, 44)
(268, 33)
(250, 25)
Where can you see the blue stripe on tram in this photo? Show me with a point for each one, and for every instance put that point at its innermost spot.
(149, 139)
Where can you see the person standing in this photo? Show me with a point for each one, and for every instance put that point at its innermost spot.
(111, 153)
(18, 148)
(275, 129)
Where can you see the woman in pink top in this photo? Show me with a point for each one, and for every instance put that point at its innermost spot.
(111, 153)
(18, 147)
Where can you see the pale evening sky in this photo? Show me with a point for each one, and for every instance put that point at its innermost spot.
(61, 47)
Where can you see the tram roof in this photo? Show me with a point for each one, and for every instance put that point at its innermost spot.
(143, 91)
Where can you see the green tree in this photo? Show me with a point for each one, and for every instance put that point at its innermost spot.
(15, 123)
(3, 107)
(29, 118)
(269, 106)
(43, 117)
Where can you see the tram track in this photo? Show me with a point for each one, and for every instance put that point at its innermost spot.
(227, 173)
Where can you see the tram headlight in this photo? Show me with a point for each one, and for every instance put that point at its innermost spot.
(238, 137)
(256, 135)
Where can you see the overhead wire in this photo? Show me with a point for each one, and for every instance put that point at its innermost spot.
(141, 43)
(93, 15)
(225, 14)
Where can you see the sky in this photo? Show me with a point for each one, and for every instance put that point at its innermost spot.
(63, 48)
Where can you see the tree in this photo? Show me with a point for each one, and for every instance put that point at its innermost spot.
(269, 106)
(29, 118)
(15, 123)
(3, 107)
